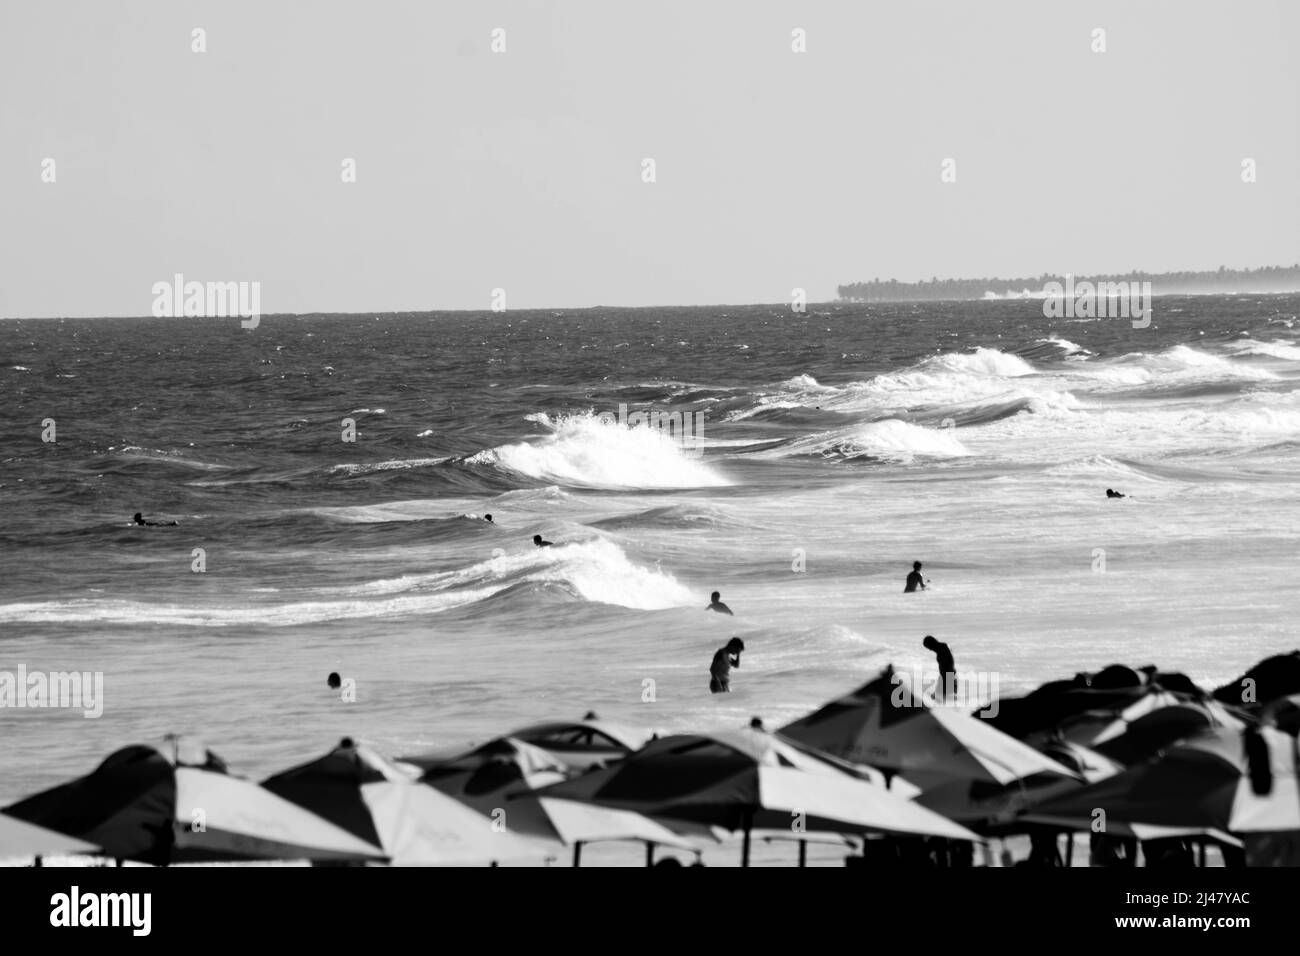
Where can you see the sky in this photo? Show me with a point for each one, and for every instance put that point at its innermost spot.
(522, 170)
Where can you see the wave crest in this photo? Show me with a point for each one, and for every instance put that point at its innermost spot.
(586, 451)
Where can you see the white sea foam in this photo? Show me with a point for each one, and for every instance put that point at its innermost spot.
(595, 570)
(1278, 348)
(892, 440)
(586, 451)
(370, 467)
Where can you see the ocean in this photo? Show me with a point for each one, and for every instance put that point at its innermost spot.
(834, 448)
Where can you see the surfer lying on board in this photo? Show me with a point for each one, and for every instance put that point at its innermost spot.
(537, 540)
(139, 519)
(1110, 493)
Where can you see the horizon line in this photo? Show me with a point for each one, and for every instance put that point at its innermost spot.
(619, 308)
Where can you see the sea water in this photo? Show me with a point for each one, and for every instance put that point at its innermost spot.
(835, 447)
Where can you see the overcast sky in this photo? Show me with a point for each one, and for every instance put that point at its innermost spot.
(522, 170)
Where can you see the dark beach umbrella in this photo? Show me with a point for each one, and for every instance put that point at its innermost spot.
(1284, 714)
(991, 807)
(381, 802)
(1154, 731)
(1271, 678)
(1206, 783)
(501, 778)
(584, 743)
(888, 725)
(179, 804)
(577, 744)
(752, 779)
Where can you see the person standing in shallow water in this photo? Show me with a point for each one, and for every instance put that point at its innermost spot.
(914, 580)
(724, 659)
(947, 668)
(715, 604)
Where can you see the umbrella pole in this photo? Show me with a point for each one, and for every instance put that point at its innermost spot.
(37, 861)
(803, 852)
(649, 853)
(1201, 855)
(1069, 848)
(744, 853)
(577, 853)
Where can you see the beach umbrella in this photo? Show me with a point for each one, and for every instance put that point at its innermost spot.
(1284, 714)
(996, 807)
(886, 724)
(577, 744)
(500, 780)
(180, 804)
(1147, 724)
(1271, 678)
(1205, 783)
(20, 839)
(752, 779)
(1044, 709)
(381, 801)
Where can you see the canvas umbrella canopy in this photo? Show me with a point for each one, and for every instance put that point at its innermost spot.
(993, 807)
(887, 724)
(500, 780)
(1206, 783)
(752, 779)
(381, 802)
(1148, 723)
(577, 744)
(179, 804)
(1043, 709)
(1271, 678)
(584, 743)
(1284, 714)
(20, 839)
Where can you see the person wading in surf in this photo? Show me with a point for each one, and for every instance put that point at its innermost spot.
(723, 661)
(715, 604)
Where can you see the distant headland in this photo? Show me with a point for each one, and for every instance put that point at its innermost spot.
(1264, 279)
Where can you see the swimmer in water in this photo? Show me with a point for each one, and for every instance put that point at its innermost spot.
(487, 518)
(334, 681)
(914, 580)
(537, 540)
(139, 519)
(723, 661)
(715, 604)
